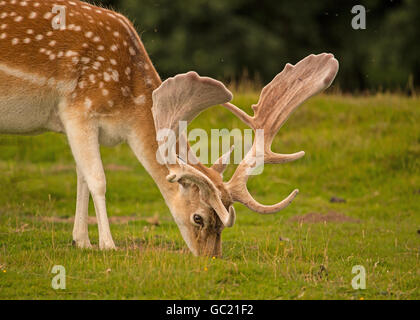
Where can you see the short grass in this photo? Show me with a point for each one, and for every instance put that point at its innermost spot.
(365, 150)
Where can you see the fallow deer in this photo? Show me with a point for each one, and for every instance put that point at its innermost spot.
(92, 80)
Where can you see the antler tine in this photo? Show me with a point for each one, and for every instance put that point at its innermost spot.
(242, 115)
(239, 191)
(289, 89)
(221, 163)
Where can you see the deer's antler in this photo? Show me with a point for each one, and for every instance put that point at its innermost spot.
(182, 98)
(185, 96)
(278, 99)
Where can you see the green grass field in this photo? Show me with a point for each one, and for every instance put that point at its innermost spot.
(365, 150)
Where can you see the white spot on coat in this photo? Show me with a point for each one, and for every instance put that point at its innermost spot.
(141, 99)
(88, 103)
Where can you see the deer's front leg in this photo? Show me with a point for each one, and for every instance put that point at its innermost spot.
(83, 138)
(80, 229)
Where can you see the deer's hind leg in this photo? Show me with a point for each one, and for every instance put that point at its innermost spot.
(83, 136)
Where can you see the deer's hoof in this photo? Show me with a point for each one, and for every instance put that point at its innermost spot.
(82, 244)
(107, 245)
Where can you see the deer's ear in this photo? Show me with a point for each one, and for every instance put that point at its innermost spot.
(184, 173)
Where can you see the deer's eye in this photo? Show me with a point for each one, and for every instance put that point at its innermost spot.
(198, 219)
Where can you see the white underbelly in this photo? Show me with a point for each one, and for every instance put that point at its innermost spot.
(33, 114)
(28, 105)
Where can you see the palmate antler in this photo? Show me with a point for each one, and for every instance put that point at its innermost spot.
(183, 97)
(278, 100)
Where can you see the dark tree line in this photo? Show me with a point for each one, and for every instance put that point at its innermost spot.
(225, 38)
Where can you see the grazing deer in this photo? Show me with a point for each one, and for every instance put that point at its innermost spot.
(92, 80)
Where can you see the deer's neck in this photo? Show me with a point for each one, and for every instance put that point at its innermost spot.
(142, 138)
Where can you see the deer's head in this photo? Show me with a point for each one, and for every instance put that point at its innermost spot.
(203, 205)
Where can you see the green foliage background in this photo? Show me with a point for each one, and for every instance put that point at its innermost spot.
(237, 38)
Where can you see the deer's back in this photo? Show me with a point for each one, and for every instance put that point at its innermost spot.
(96, 63)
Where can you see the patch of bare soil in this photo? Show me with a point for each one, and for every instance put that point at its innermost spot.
(108, 167)
(337, 200)
(113, 220)
(117, 167)
(331, 216)
(62, 168)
